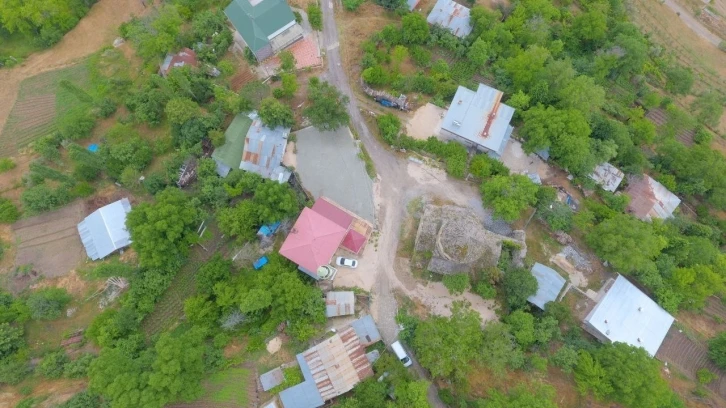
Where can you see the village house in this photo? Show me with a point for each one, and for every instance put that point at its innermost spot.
(265, 26)
(549, 285)
(184, 58)
(104, 231)
(479, 120)
(450, 15)
(607, 176)
(649, 199)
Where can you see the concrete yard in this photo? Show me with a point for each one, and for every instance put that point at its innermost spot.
(328, 165)
(426, 122)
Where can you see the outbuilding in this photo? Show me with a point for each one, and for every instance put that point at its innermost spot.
(104, 231)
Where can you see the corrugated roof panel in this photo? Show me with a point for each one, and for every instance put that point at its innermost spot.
(627, 315)
(272, 379)
(339, 304)
(549, 285)
(104, 230)
(366, 330)
(451, 15)
(607, 176)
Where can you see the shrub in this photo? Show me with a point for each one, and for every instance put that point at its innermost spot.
(705, 376)
(43, 198)
(6, 164)
(82, 399)
(11, 340)
(352, 5)
(717, 350)
(14, 369)
(456, 284)
(53, 364)
(485, 290)
(315, 16)
(566, 358)
(519, 284)
(78, 368)
(8, 211)
(298, 17)
(82, 190)
(47, 303)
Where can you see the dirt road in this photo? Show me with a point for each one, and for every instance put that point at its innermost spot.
(692, 23)
(97, 29)
(397, 186)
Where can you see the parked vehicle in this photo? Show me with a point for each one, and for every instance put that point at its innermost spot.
(401, 353)
(350, 263)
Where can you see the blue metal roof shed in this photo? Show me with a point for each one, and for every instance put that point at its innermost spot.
(104, 231)
(549, 285)
(366, 330)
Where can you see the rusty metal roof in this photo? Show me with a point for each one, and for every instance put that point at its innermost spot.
(451, 15)
(649, 199)
(339, 304)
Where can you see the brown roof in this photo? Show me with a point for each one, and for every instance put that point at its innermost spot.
(186, 56)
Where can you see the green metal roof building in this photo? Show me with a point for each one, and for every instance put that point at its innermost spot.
(266, 26)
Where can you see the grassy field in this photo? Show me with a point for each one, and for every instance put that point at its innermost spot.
(41, 101)
(17, 46)
(229, 388)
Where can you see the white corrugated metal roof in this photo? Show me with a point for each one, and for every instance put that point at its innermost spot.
(480, 117)
(549, 285)
(451, 15)
(627, 315)
(104, 231)
(607, 176)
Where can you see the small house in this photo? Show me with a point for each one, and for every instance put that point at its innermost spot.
(479, 120)
(607, 176)
(185, 57)
(549, 285)
(625, 314)
(265, 26)
(252, 146)
(649, 199)
(104, 231)
(450, 15)
(339, 303)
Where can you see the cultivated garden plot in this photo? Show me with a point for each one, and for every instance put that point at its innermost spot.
(41, 101)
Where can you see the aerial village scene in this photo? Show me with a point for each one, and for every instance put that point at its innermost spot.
(362, 203)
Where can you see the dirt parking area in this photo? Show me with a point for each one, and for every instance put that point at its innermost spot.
(426, 121)
(50, 242)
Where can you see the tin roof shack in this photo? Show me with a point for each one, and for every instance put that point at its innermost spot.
(331, 368)
(185, 57)
(266, 26)
(104, 231)
(339, 304)
(479, 119)
(451, 15)
(607, 176)
(251, 146)
(627, 315)
(549, 285)
(649, 199)
(320, 231)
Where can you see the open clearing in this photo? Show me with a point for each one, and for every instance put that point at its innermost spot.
(41, 100)
(231, 388)
(50, 241)
(98, 28)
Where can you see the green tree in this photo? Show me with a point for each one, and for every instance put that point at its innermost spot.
(525, 68)
(566, 358)
(590, 28)
(239, 221)
(389, 126)
(499, 349)
(456, 284)
(376, 75)
(8, 211)
(47, 303)
(328, 108)
(287, 61)
(217, 269)
(709, 108)
(630, 245)
(509, 195)
(679, 80)
(179, 366)
(533, 395)
(123, 380)
(519, 284)
(479, 52)
(415, 28)
(412, 394)
(591, 376)
(446, 346)
(180, 110)
(315, 16)
(583, 94)
(275, 201)
(162, 232)
(274, 113)
(717, 350)
(289, 86)
(53, 364)
(565, 132)
(201, 311)
(522, 324)
(78, 368)
(11, 340)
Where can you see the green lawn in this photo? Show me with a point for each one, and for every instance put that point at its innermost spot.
(228, 387)
(16, 45)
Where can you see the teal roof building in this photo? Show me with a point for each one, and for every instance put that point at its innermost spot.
(266, 26)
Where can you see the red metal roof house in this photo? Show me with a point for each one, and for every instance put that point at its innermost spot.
(319, 232)
(186, 56)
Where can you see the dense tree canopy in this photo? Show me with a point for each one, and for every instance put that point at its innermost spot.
(509, 195)
(328, 109)
(163, 231)
(274, 113)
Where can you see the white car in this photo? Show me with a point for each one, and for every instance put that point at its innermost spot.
(350, 263)
(401, 354)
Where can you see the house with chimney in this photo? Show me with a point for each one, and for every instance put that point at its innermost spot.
(479, 119)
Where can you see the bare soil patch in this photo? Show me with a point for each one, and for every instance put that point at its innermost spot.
(426, 121)
(50, 242)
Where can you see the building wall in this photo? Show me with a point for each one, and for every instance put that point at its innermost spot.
(445, 134)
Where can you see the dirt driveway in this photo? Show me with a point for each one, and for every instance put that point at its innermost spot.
(97, 29)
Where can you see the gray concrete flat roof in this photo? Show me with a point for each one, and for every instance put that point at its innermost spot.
(328, 165)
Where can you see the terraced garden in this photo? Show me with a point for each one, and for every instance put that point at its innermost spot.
(41, 101)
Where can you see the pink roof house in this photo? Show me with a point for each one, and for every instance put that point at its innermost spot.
(319, 232)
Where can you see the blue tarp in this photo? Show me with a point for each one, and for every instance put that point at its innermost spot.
(260, 263)
(93, 148)
(267, 230)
